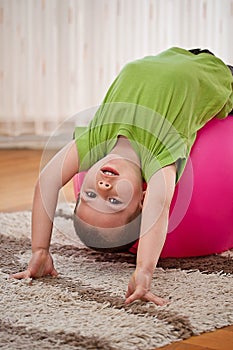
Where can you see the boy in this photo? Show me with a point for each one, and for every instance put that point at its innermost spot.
(144, 130)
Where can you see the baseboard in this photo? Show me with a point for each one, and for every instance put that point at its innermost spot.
(34, 141)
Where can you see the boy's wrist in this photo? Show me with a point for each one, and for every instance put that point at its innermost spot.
(147, 270)
(40, 249)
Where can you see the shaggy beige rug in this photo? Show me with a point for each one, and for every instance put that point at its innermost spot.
(84, 307)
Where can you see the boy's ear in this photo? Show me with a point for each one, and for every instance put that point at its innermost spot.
(142, 200)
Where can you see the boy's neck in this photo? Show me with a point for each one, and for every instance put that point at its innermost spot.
(124, 149)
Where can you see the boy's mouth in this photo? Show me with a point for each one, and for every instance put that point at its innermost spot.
(109, 171)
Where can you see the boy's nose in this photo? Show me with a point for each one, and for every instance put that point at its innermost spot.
(104, 185)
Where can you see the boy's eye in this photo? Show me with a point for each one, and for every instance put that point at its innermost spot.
(114, 201)
(91, 194)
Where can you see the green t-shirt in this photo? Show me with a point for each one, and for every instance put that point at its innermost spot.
(159, 103)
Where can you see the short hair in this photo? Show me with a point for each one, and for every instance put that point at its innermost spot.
(115, 240)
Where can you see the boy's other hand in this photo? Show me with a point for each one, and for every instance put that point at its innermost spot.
(139, 289)
(40, 264)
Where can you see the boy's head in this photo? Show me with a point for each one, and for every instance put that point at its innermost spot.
(109, 204)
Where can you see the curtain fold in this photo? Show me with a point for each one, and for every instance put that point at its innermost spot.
(58, 58)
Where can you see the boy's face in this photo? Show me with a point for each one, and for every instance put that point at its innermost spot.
(111, 192)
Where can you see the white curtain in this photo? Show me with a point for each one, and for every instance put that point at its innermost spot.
(58, 57)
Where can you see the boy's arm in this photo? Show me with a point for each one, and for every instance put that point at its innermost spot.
(63, 166)
(155, 214)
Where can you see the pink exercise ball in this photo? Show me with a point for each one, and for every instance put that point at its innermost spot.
(201, 216)
(207, 226)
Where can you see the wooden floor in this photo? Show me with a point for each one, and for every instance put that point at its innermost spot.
(18, 173)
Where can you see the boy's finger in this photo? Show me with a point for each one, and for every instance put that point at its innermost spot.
(129, 291)
(21, 275)
(54, 273)
(155, 299)
(127, 294)
(135, 296)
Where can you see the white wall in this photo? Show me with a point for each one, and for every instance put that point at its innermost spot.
(58, 57)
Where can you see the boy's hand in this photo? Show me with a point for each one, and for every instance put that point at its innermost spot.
(40, 264)
(139, 288)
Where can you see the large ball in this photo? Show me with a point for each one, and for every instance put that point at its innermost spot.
(206, 191)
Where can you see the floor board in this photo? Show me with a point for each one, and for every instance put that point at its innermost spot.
(18, 173)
